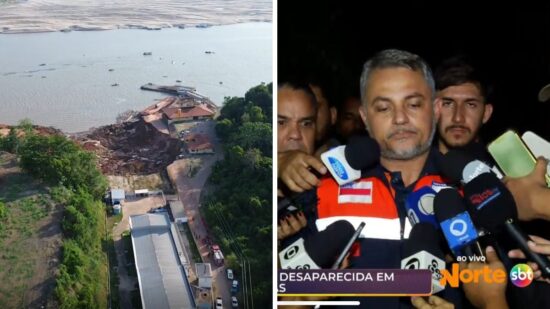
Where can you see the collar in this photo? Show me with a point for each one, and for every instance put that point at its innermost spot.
(430, 167)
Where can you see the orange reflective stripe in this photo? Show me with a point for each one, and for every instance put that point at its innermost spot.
(381, 212)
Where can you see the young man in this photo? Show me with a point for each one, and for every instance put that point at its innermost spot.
(462, 100)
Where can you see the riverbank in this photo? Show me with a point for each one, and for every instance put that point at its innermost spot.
(59, 15)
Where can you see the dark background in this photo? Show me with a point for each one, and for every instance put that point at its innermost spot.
(510, 42)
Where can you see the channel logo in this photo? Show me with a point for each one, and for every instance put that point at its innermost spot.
(521, 275)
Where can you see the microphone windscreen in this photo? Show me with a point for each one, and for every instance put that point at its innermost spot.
(362, 152)
(447, 204)
(452, 164)
(324, 247)
(423, 237)
(490, 202)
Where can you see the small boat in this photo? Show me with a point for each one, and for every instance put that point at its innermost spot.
(111, 70)
(178, 81)
(114, 85)
(147, 53)
(221, 83)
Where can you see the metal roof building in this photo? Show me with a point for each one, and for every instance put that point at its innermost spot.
(162, 279)
(178, 211)
(117, 195)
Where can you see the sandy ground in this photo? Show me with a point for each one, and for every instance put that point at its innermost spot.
(18, 16)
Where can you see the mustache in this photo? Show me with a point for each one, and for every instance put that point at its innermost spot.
(447, 129)
(394, 132)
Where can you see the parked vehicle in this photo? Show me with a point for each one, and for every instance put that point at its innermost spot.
(234, 302)
(234, 287)
(230, 274)
(217, 255)
(219, 303)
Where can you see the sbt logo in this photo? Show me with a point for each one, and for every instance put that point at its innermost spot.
(521, 275)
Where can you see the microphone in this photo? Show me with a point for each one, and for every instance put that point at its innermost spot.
(420, 206)
(461, 167)
(456, 223)
(317, 250)
(422, 251)
(495, 210)
(346, 162)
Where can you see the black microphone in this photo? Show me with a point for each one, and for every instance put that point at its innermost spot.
(460, 166)
(317, 250)
(495, 210)
(346, 162)
(456, 223)
(422, 251)
(362, 152)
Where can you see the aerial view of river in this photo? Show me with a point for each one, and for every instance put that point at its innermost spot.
(81, 79)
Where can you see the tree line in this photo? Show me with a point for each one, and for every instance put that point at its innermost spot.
(239, 208)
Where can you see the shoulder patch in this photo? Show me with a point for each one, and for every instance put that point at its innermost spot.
(356, 192)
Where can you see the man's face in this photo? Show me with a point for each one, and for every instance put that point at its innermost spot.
(349, 120)
(398, 112)
(463, 112)
(296, 121)
(324, 114)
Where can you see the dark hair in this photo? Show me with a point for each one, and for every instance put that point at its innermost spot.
(459, 70)
(395, 58)
(322, 78)
(299, 85)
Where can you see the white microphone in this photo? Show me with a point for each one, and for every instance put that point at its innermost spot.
(346, 162)
(317, 250)
(422, 252)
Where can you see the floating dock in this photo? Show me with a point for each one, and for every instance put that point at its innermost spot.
(174, 90)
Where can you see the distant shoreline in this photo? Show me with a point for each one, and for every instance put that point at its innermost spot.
(34, 16)
(148, 28)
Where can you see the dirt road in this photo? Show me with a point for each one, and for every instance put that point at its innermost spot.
(189, 189)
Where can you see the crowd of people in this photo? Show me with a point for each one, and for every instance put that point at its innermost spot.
(416, 116)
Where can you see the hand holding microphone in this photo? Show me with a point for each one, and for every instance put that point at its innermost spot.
(291, 224)
(297, 170)
(483, 294)
(531, 193)
(346, 162)
(495, 210)
(538, 245)
(432, 302)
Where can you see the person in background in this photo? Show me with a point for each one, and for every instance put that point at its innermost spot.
(349, 121)
(463, 103)
(296, 116)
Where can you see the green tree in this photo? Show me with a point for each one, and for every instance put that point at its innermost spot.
(239, 209)
(10, 142)
(3, 210)
(58, 160)
(224, 128)
(26, 125)
(262, 97)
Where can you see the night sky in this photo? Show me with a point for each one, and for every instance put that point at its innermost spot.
(510, 43)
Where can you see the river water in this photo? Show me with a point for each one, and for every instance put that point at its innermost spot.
(65, 79)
